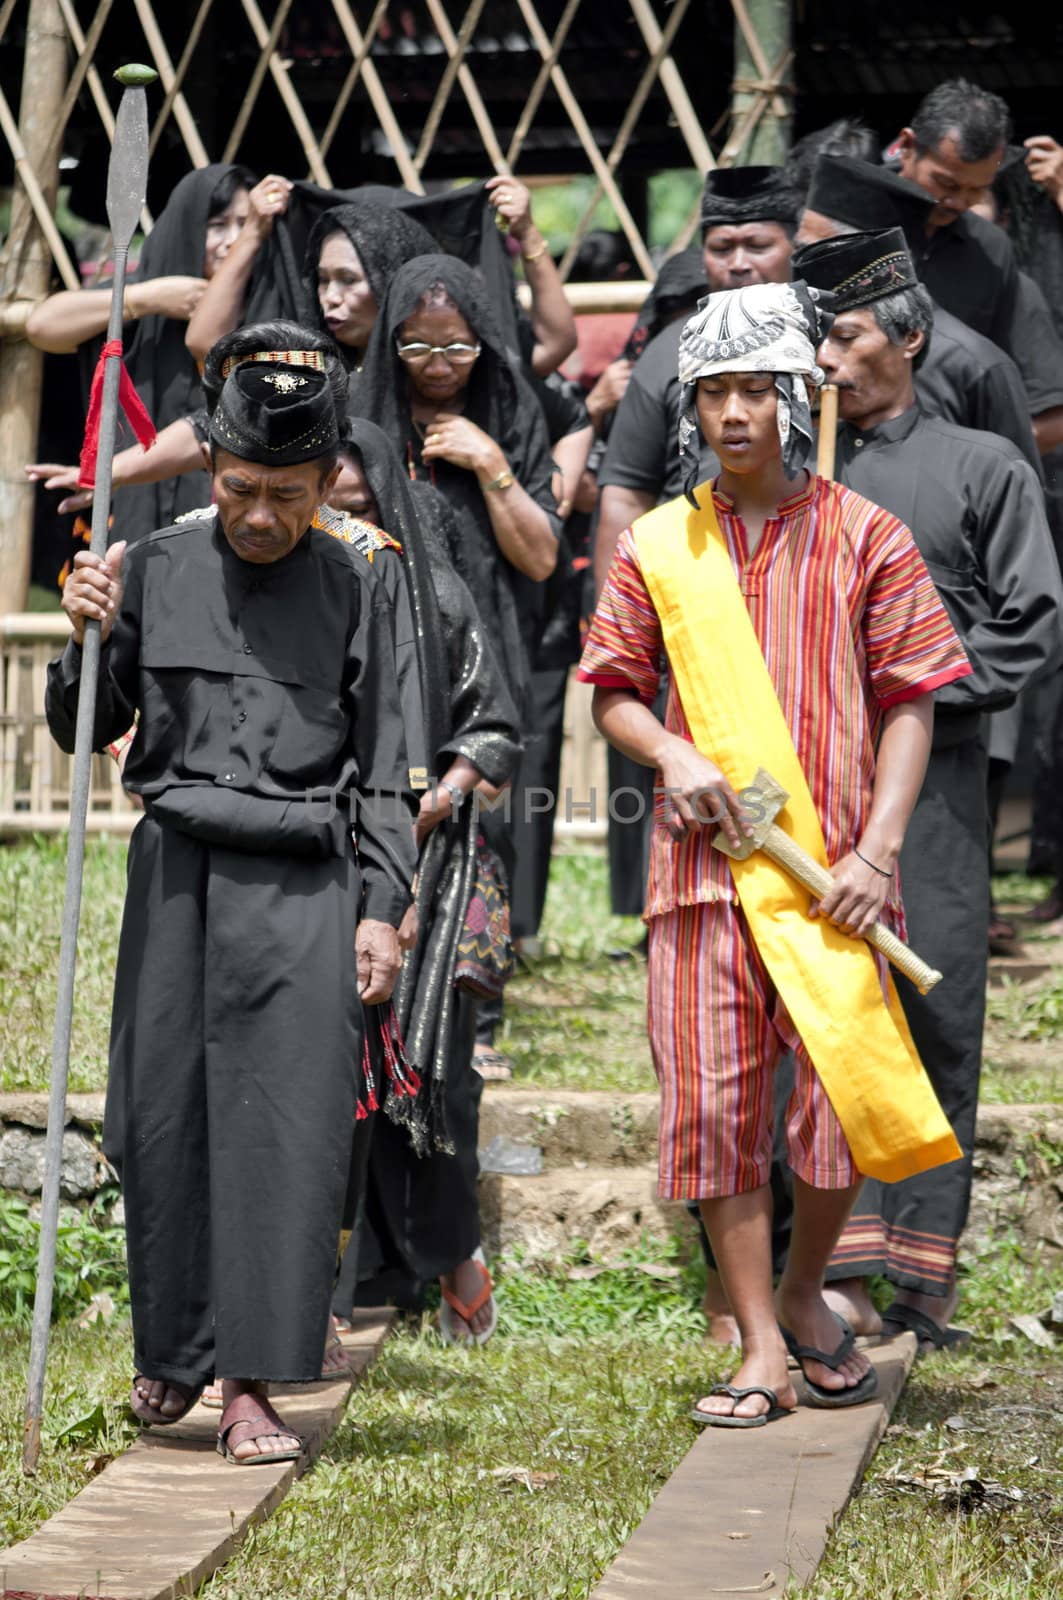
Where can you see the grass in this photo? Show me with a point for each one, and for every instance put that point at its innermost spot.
(31, 895)
(575, 1017)
(519, 1471)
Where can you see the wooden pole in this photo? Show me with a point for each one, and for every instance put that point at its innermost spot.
(278, 71)
(828, 430)
(44, 71)
(161, 56)
(378, 97)
(763, 33)
(96, 89)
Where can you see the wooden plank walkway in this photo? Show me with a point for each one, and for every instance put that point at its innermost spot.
(750, 1512)
(169, 1511)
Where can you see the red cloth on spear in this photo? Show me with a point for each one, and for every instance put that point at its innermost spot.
(131, 404)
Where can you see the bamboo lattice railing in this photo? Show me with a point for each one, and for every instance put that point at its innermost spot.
(35, 774)
(409, 144)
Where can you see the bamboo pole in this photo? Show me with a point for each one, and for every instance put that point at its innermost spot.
(586, 138)
(183, 65)
(673, 85)
(267, 48)
(96, 89)
(468, 88)
(542, 78)
(77, 77)
(827, 443)
(43, 81)
(161, 56)
(378, 97)
(627, 127)
(588, 298)
(446, 83)
(764, 26)
(42, 210)
(352, 77)
(293, 105)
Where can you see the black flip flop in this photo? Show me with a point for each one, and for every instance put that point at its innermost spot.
(706, 1419)
(907, 1319)
(831, 1399)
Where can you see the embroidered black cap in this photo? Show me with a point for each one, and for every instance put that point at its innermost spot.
(276, 415)
(857, 268)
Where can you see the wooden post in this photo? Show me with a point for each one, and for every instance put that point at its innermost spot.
(44, 73)
(763, 34)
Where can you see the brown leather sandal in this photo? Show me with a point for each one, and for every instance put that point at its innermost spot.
(256, 1417)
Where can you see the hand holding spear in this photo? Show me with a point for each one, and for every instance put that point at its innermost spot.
(126, 186)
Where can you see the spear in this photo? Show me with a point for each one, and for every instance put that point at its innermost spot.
(127, 177)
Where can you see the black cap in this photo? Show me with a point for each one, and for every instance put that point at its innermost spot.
(275, 415)
(736, 195)
(868, 197)
(857, 268)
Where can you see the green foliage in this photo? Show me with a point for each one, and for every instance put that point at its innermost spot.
(32, 877)
(650, 1290)
(90, 1259)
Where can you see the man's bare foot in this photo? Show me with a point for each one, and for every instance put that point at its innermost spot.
(716, 1309)
(466, 1282)
(152, 1400)
(850, 1298)
(812, 1322)
(254, 1428)
(763, 1363)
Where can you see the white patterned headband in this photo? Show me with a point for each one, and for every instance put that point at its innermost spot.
(764, 327)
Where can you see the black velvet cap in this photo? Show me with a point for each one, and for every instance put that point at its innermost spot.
(857, 268)
(736, 195)
(275, 415)
(868, 197)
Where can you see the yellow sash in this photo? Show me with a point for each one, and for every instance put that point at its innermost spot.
(829, 982)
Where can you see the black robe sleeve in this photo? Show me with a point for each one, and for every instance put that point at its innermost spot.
(116, 691)
(1017, 633)
(484, 723)
(383, 806)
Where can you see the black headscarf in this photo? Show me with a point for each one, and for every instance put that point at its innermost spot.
(390, 489)
(498, 400)
(460, 222)
(484, 728)
(159, 363)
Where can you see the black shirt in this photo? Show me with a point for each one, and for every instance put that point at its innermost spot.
(976, 511)
(263, 691)
(968, 379)
(969, 267)
(643, 451)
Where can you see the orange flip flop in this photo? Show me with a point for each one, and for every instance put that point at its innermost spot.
(467, 1310)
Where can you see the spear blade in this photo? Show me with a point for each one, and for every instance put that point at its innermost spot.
(126, 187)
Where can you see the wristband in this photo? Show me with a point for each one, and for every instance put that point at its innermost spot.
(536, 255)
(880, 870)
(503, 481)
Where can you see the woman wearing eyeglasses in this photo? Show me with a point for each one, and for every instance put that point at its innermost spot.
(440, 382)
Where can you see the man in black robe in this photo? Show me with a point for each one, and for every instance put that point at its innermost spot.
(976, 510)
(964, 377)
(265, 885)
(953, 150)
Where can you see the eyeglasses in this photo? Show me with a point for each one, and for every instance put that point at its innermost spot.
(455, 355)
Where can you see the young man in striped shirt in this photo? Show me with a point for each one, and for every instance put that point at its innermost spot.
(813, 643)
